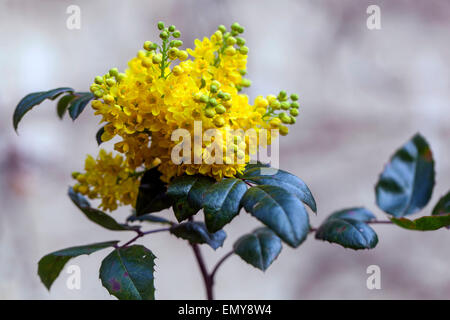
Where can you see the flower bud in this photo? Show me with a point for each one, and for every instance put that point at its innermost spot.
(284, 130)
(294, 97)
(164, 35)
(226, 96)
(75, 174)
(148, 45)
(240, 41)
(219, 122)
(243, 50)
(246, 83)
(157, 58)
(108, 98)
(275, 122)
(176, 34)
(240, 154)
(121, 77)
(204, 98)
(98, 80)
(172, 53)
(222, 28)
(230, 51)
(210, 112)
(213, 88)
(160, 25)
(231, 41)
(284, 118)
(242, 72)
(285, 105)
(110, 82)
(293, 120)
(98, 93)
(182, 55)
(220, 95)
(235, 26)
(276, 105)
(177, 70)
(282, 96)
(176, 43)
(294, 112)
(220, 109)
(213, 102)
(172, 28)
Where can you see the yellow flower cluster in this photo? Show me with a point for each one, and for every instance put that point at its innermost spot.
(163, 90)
(108, 178)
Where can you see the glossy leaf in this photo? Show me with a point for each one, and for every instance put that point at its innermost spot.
(348, 229)
(281, 211)
(98, 135)
(259, 248)
(152, 196)
(78, 104)
(406, 184)
(284, 180)
(443, 206)
(359, 214)
(97, 216)
(186, 193)
(127, 273)
(51, 265)
(63, 104)
(222, 202)
(33, 99)
(196, 232)
(149, 218)
(428, 223)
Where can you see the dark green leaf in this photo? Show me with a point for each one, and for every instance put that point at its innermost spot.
(443, 206)
(51, 265)
(78, 104)
(152, 196)
(95, 215)
(98, 136)
(406, 184)
(259, 248)
(428, 223)
(33, 99)
(348, 229)
(222, 202)
(149, 218)
(281, 211)
(127, 273)
(360, 214)
(196, 232)
(186, 193)
(282, 179)
(62, 105)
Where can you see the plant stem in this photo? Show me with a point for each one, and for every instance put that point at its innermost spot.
(140, 234)
(225, 257)
(208, 281)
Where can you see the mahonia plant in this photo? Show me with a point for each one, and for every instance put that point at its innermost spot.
(166, 88)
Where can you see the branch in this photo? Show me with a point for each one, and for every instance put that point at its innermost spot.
(224, 258)
(206, 277)
(140, 234)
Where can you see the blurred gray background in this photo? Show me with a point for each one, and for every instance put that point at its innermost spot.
(363, 94)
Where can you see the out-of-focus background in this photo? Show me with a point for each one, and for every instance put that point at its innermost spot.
(363, 94)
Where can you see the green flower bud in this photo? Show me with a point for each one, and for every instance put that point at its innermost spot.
(164, 35)
(213, 88)
(210, 112)
(121, 77)
(176, 34)
(235, 26)
(220, 95)
(226, 96)
(242, 72)
(293, 120)
(75, 174)
(148, 45)
(246, 83)
(294, 97)
(294, 105)
(294, 112)
(240, 41)
(284, 130)
(275, 105)
(231, 41)
(160, 25)
(110, 82)
(243, 50)
(220, 109)
(204, 98)
(114, 72)
(172, 28)
(219, 122)
(238, 87)
(284, 118)
(240, 29)
(222, 28)
(98, 80)
(216, 83)
(234, 33)
(156, 59)
(98, 93)
(213, 102)
(285, 105)
(172, 53)
(176, 43)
